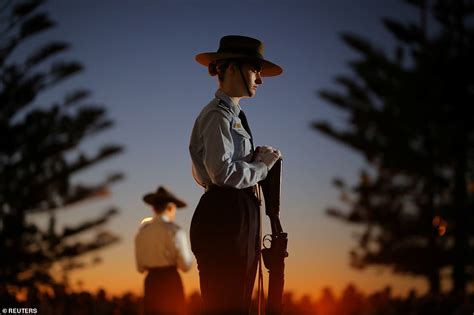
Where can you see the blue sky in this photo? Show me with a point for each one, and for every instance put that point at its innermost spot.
(139, 58)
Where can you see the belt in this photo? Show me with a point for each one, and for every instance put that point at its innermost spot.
(251, 189)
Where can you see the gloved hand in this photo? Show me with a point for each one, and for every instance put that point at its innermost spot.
(265, 149)
(267, 155)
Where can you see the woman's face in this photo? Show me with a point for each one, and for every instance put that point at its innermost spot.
(234, 82)
(252, 74)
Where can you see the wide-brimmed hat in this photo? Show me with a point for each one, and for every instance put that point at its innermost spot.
(162, 195)
(236, 47)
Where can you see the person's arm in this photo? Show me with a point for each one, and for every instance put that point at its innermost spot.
(219, 150)
(183, 252)
(138, 249)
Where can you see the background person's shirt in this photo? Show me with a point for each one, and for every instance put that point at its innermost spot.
(221, 149)
(161, 243)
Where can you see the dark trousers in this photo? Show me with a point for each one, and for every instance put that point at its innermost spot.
(164, 293)
(225, 240)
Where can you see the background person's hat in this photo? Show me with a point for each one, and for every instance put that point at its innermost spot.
(162, 195)
(235, 46)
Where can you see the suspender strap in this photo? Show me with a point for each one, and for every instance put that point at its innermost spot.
(246, 126)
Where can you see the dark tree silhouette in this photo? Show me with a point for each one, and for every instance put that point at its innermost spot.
(412, 117)
(39, 155)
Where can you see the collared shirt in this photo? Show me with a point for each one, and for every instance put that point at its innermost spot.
(161, 243)
(220, 147)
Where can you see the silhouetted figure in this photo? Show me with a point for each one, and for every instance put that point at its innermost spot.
(225, 225)
(161, 247)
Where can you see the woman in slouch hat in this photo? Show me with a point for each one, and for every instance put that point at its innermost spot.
(161, 248)
(225, 229)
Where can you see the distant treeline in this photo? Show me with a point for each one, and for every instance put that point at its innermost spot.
(351, 302)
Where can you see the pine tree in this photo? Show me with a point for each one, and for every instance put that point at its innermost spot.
(412, 117)
(40, 155)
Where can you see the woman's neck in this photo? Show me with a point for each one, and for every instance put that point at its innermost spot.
(231, 93)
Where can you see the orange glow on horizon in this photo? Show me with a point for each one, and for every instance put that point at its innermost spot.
(121, 277)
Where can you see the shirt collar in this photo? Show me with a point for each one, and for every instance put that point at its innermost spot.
(163, 218)
(235, 108)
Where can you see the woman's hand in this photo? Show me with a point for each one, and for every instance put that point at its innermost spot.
(267, 155)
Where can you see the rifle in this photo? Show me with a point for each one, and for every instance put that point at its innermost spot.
(273, 256)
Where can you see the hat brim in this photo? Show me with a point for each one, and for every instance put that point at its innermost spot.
(269, 69)
(152, 199)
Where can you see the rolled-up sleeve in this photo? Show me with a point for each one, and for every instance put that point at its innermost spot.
(219, 152)
(138, 262)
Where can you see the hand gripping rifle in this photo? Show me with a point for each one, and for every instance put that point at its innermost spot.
(274, 256)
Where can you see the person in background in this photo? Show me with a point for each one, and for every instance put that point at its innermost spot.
(161, 248)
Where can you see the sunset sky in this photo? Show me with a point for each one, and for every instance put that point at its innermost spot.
(139, 59)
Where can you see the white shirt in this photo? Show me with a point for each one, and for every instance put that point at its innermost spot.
(220, 147)
(161, 243)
